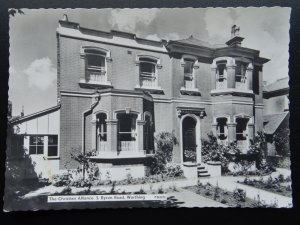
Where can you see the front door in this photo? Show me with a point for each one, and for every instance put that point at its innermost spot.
(189, 139)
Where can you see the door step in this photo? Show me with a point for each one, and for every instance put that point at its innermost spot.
(202, 172)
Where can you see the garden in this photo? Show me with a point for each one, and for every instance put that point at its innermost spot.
(279, 185)
(237, 198)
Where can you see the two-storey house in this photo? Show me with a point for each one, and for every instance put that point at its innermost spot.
(116, 91)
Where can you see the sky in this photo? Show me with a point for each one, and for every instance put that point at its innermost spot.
(33, 63)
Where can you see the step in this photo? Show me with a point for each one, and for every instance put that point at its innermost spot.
(204, 175)
(202, 171)
(200, 167)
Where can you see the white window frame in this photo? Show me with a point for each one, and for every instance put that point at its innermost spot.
(154, 76)
(102, 53)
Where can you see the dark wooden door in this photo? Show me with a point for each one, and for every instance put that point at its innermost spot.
(189, 139)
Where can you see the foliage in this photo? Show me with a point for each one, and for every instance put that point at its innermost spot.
(164, 142)
(190, 155)
(258, 147)
(212, 150)
(13, 12)
(83, 176)
(147, 180)
(173, 170)
(279, 184)
(282, 142)
(239, 195)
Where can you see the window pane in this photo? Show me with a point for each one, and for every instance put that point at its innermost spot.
(147, 68)
(188, 66)
(40, 149)
(96, 60)
(52, 150)
(221, 68)
(32, 140)
(32, 150)
(52, 140)
(39, 140)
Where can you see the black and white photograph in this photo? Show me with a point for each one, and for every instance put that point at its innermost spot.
(147, 108)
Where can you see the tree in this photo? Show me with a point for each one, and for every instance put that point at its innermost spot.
(13, 12)
(282, 142)
(258, 147)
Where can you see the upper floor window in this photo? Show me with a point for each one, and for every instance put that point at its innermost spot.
(240, 75)
(95, 65)
(221, 75)
(148, 72)
(189, 82)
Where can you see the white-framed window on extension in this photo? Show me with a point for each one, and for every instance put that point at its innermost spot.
(46, 145)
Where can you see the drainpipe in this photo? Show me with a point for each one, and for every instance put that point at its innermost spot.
(85, 114)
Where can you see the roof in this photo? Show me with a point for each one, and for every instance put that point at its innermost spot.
(120, 38)
(273, 121)
(17, 120)
(277, 85)
(194, 41)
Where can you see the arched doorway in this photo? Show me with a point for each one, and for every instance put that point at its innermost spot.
(189, 142)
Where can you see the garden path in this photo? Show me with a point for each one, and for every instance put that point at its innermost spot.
(190, 199)
(229, 183)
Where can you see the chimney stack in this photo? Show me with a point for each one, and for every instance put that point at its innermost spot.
(22, 113)
(235, 40)
(65, 18)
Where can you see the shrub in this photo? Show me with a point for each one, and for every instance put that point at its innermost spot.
(173, 170)
(214, 151)
(160, 190)
(164, 142)
(282, 142)
(258, 147)
(239, 195)
(62, 180)
(223, 201)
(66, 191)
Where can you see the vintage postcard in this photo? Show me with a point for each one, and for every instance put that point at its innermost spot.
(114, 108)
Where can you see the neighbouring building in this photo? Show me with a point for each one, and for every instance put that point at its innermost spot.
(116, 91)
(276, 110)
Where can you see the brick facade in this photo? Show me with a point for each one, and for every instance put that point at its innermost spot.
(168, 105)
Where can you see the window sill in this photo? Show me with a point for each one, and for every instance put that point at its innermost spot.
(94, 84)
(152, 90)
(189, 91)
(232, 91)
(52, 157)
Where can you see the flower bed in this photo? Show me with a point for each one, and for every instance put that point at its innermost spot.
(233, 199)
(278, 185)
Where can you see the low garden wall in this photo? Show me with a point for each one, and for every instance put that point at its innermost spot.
(213, 168)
